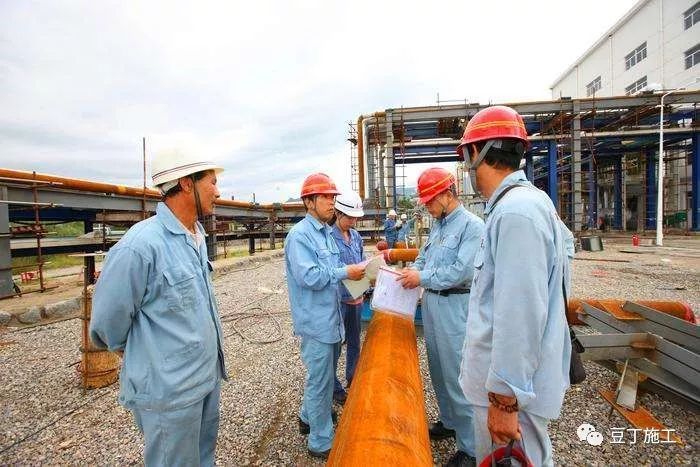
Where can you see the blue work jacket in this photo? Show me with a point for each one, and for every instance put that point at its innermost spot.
(390, 230)
(155, 301)
(446, 260)
(404, 230)
(351, 252)
(314, 270)
(517, 340)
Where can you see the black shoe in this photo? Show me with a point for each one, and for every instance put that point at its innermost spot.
(340, 397)
(438, 431)
(319, 455)
(305, 429)
(461, 459)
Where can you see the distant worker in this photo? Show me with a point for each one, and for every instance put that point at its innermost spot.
(314, 271)
(154, 303)
(348, 209)
(444, 268)
(405, 229)
(515, 368)
(391, 228)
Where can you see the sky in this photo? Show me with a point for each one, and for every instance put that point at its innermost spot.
(264, 88)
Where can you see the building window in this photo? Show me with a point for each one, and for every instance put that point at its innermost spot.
(593, 86)
(691, 16)
(636, 86)
(636, 56)
(692, 57)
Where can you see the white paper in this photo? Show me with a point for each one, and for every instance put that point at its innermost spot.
(390, 296)
(372, 265)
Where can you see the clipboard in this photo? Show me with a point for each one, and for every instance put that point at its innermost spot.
(390, 296)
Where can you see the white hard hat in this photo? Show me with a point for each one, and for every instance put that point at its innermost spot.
(392, 212)
(404, 217)
(349, 203)
(172, 164)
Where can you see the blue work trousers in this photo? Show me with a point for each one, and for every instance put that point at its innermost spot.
(352, 321)
(320, 360)
(444, 328)
(533, 430)
(181, 437)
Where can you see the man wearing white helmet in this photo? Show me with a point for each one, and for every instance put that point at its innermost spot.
(405, 229)
(391, 228)
(348, 209)
(154, 303)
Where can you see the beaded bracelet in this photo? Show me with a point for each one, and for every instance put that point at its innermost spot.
(510, 408)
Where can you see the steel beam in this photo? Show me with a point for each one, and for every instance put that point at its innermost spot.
(577, 189)
(552, 174)
(695, 183)
(617, 176)
(650, 221)
(99, 201)
(667, 326)
(6, 285)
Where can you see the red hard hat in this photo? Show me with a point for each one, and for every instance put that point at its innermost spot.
(382, 245)
(318, 184)
(495, 122)
(432, 182)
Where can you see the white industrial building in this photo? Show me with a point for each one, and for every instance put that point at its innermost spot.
(656, 45)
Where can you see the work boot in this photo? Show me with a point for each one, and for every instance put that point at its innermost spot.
(305, 429)
(320, 455)
(340, 397)
(461, 459)
(438, 431)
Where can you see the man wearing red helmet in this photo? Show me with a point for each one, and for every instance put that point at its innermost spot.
(515, 366)
(314, 271)
(444, 269)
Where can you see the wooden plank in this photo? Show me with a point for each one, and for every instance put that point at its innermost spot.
(640, 418)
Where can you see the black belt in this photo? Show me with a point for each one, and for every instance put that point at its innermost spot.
(447, 292)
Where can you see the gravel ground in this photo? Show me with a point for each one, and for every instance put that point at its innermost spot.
(48, 419)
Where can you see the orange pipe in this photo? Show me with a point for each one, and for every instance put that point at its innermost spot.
(677, 309)
(99, 187)
(394, 255)
(384, 420)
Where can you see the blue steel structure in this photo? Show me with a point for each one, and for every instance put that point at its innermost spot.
(610, 128)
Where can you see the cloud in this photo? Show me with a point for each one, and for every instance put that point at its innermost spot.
(265, 88)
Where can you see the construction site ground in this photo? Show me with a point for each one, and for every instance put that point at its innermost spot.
(48, 419)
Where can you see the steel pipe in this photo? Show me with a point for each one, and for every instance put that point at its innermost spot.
(676, 309)
(394, 255)
(384, 420)
(99, 187)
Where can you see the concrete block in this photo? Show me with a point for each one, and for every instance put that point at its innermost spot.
(31, 316)
(5, 317)
(64, 308)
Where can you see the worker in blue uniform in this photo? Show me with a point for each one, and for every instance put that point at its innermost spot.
(391, 228)
(444, 268)
(515, 367)
(154, 304)
(314, 272)
(348, 209)
(406, 226)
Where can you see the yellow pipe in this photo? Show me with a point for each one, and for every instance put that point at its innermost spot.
(384, 420)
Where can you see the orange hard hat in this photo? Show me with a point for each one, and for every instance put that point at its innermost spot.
(318, 184)
(432, 182)
(496, 122)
